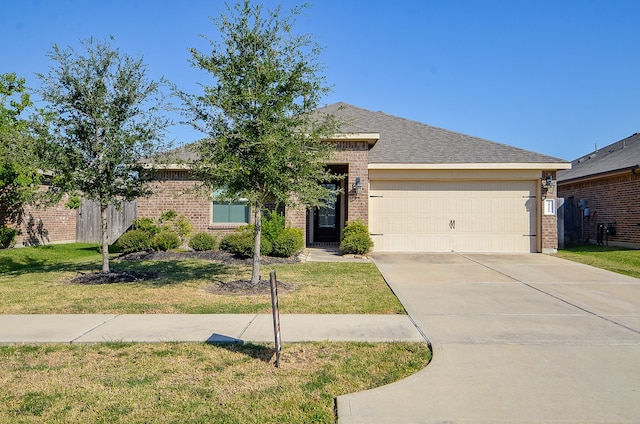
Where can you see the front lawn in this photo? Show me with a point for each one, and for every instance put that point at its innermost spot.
(189, 382)
(36, 281)
(616, 259)
(193, 383)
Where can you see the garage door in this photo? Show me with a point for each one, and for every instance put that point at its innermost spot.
(463, 216)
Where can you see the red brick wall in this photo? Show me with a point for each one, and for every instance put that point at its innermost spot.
(176, 191)
(355, 153)
(56, 224)
(549, 222)
(609, 199)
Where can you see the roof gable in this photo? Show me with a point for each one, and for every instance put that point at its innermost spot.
(621, 155)
(403, 141)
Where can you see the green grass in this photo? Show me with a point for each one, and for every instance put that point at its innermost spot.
(616, 259)
(188, 382)
(193, 383)
(35, 281)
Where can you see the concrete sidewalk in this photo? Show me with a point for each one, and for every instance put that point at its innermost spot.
(214, 328)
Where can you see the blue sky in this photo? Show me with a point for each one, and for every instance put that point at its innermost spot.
(553, 76)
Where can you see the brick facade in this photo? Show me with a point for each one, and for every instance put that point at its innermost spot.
(549, 223)
(177, 190)
(55, 224)
(354, 154)
(611, 199)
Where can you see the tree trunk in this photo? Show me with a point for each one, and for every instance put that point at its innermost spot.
(255, 270)
(105, 238)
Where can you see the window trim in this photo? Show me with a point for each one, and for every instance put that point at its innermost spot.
(242, 202)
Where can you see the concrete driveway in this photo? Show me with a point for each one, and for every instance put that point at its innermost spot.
(516, 338)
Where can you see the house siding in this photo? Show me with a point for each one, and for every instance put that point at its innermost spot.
(549, 223)
(610, 199)
(177, 190)
(54, 224)
(355, 154)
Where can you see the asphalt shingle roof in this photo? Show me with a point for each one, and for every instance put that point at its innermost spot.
(405, 141)
(623, 154)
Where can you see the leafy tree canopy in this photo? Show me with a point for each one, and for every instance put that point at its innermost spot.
(264, 143)
(104, 117)
(19, 177)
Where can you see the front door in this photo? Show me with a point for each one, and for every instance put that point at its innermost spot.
(326, 219)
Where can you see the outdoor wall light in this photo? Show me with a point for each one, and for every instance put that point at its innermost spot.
(547, 183)
(357, 187)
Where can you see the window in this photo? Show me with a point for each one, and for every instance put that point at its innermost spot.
(230, 212)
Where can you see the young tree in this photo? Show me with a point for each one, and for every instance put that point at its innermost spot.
(104, 117)
(264, 143)
(19, 176)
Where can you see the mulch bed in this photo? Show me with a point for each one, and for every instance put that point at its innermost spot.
(231, 287)
(112, 277)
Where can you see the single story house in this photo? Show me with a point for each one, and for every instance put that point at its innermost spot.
(419, 188)
(601, 195)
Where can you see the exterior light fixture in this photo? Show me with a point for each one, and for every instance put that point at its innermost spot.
(357, 187)
(547, 183)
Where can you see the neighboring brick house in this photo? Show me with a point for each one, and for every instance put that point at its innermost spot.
(601, 195)
(55, 224)
(419, 188)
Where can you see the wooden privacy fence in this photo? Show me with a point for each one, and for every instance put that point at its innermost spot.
(88, 223)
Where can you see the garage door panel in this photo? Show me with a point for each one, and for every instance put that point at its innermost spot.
(478, 216)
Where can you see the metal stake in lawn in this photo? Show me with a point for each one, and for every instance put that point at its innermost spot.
(276, 315)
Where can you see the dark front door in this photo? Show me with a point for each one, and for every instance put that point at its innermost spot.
(326, 220)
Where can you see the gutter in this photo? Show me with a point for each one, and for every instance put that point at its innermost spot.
(635, 170)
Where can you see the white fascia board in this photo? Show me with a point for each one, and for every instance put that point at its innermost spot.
(355, 136)
(176, 166)
(545, 166)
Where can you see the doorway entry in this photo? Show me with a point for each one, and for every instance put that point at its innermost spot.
(328, 221)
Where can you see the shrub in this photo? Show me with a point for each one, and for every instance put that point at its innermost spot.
(272, 225)
(134, 241)
(356, 238)
(179, 224)
(202, 242)
(182, 227)
(168, 221)
(165, 240)
(241, 243)
(288, 243)
(147, 225)
(355, 227)
(7, 237)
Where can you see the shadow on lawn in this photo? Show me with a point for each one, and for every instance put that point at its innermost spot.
(162, 272)
(263, 353)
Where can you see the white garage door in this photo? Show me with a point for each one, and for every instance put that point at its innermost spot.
(463, 216)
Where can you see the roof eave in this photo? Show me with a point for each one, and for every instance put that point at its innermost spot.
(474, 165)
(372, 138)
(635, 169)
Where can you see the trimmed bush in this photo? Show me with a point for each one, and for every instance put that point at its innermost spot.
(7, 237)
(272, 225)
(201, 242)
(134, 241)
(356, 239)
(148, 225)
(288, 243)
(165, 240)
(241, 243)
